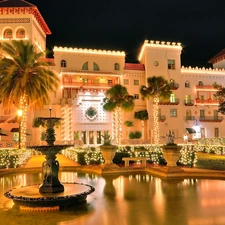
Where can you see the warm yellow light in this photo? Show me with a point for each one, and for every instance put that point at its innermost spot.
(20, 112)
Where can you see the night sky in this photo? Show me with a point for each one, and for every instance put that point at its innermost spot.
(124, 25)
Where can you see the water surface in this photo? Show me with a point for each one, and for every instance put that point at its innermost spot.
(138, 199)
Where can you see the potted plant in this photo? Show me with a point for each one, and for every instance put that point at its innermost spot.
(108, 150)
(171, 151)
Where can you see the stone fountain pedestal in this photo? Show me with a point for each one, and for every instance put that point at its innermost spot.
(171, 154)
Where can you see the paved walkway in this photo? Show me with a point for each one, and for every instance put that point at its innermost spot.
(37, 160)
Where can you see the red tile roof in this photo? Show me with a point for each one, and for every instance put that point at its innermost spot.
(30, 7)
(218, 57)
(15, 3)
(134, 66)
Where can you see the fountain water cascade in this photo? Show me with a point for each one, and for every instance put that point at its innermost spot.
(52, 193)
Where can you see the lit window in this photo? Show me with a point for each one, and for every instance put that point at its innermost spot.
(110, 82)
(171, 64)
(172, 98)
(173, 112)
(63, 63)
(116, 66)
(95, 66)
(200, 83)
(8, 33)
(187, 84)
(85, 66)
(20, 33)
(136, 82)
(126, 82)
(136, 96)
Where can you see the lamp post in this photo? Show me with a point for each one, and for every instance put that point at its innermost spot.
(19, 113)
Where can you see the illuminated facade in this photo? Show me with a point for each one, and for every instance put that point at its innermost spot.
(86, 74)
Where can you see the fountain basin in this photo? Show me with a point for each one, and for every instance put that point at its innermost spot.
(29, 196)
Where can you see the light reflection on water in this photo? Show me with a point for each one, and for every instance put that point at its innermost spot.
(126, 200)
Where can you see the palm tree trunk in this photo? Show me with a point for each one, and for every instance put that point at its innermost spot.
(155, 120)
(23, 122)
(143, 129)
(117, 125)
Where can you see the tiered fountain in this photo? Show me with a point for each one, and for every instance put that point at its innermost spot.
(52, 193)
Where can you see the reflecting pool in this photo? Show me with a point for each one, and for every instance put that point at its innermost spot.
(131, 199)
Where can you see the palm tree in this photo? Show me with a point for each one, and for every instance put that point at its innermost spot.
(118, 99)
(25, 80)
(157, 88)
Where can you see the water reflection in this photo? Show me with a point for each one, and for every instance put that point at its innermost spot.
(126, 200)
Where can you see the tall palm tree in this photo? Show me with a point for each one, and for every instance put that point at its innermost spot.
(157, 87)
(25, 80)
(118, 99)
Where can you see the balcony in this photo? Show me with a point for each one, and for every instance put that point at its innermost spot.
(209, 101)
(205, 88)
(169, 102)
(174, 86)
(161, 118)
(210, 118)
(189, 102)
(189, 118)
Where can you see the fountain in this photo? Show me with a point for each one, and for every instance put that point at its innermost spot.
(51, 193)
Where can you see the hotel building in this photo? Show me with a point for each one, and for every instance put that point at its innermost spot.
(85, 75)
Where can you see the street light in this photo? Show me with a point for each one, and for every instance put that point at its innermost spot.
(19, 113)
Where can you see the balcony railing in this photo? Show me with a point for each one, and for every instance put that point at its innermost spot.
(206, 88)
(83, 84)
(169, 102)
(189, 102)
(161, 118)
(190, 118)
(210, 118)
(174, 86)
(207, 101)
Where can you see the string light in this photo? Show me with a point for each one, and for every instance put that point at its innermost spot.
(155, 120)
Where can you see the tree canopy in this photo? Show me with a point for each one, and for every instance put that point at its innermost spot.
(24, 74)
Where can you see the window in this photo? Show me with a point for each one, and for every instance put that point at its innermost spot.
(173, 112)
(171, 64)
(136, 82)
(200, 83)
(136, 96)
(95, 66)
(172, 98)
(8, 33)
(126, 82)
(116, 66)
(20, 33)
(63, 63)
(85, 66)
(110, 83)
(187, 84)
(216, 132)
(187, 99)
(99, 137)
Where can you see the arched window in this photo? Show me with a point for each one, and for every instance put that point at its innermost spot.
(85, 66)
(20, 33)
(200, 83)
(63, 63)
(8, 33)
(116, 66)
(187, 84)
(95, 66)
